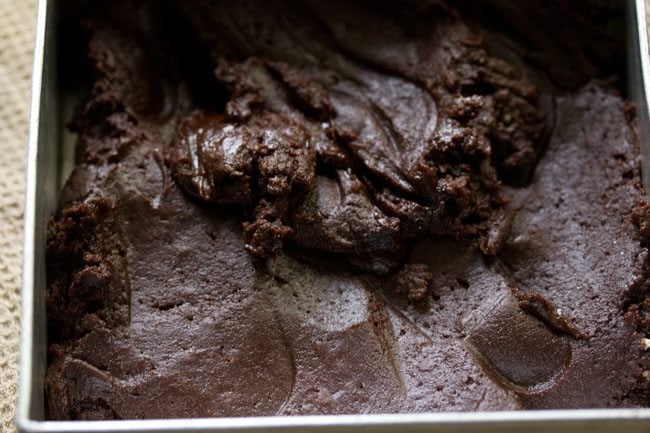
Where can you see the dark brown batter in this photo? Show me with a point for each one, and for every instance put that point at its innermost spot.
(352, 151)
(352, 208)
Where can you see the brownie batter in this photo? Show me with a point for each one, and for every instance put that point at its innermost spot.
(299, 207)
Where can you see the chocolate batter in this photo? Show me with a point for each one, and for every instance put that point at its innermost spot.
(286, 208)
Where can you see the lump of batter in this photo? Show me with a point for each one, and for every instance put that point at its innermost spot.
(356, 153)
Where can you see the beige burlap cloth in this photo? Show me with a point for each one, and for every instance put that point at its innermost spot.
(17, 22)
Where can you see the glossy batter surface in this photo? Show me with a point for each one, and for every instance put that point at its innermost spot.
(344, 207)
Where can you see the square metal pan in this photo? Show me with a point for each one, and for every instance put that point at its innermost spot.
(45, 169)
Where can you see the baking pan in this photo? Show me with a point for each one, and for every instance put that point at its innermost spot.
(48, 163)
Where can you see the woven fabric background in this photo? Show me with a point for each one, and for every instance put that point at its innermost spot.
(17, 24)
